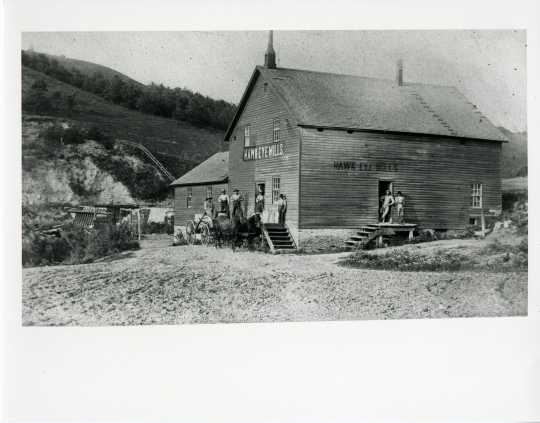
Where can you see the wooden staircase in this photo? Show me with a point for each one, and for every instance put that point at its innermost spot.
(364, 236)
(278, 238)
(379, 231)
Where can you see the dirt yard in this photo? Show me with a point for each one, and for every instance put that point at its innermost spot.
(161, 284)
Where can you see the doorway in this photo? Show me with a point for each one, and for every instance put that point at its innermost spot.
(383, 187)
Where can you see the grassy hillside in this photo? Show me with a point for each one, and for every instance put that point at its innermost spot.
(186, 142)
(89, 68)
(514, 154)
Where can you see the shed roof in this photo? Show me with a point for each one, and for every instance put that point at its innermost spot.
(215, 169)
(347, 101)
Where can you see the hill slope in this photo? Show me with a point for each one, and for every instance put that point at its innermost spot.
(87, 68)
(164, 137)
(514, 154)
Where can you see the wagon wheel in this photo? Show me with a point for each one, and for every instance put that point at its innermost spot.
(190, 233)
(205, 234)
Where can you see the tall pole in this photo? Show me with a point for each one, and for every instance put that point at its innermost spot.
(139, 223)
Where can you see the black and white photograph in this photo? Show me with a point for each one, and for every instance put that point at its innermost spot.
(180, 177)
(262, 211)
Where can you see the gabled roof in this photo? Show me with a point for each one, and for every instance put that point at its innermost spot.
(215, 169)
(346, 101)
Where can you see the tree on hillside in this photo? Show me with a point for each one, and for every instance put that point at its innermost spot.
(178, 103)
(37, 100)
(70, 103)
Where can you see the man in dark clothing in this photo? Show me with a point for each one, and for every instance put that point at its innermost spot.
(282, 208)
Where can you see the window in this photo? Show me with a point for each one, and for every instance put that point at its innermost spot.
(276, 182)
(476, 196)
(189, 197)
(208, 191)
(265, 89)
(276, 130)
(247, 131)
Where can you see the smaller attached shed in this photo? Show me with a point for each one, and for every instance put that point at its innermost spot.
(190, 190)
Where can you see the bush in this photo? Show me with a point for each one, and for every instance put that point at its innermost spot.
(158, 228)
(77, 245)
(403, 260)
(95, 134)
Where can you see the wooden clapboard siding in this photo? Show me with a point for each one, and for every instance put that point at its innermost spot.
(434, 173)
(259, 112)
(182, 214)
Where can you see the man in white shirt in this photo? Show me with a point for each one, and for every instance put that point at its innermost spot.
(223, 201)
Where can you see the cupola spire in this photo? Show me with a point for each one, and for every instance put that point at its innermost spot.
(270, 55)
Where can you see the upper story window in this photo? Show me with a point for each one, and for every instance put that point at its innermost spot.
(265, 87)
(189, 197)
(276, 130)
(247, 136)
(209, 191)
(476, 196)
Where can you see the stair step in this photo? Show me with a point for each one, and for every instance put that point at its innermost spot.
(285, 232)
(358, 238)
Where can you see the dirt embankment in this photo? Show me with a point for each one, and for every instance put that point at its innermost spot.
(161, 284)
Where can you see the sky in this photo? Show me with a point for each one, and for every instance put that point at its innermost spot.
(487, 66)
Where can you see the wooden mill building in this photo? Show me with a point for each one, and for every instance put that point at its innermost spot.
(334, 143)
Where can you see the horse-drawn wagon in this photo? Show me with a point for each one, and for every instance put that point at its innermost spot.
(235, 230)
(199, 230)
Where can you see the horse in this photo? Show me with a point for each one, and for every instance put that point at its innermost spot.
(235, 230)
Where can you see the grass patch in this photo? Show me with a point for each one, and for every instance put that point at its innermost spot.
(406, 261)
(494, 257)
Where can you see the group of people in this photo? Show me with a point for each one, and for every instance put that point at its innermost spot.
(387, 202)
(233, 206)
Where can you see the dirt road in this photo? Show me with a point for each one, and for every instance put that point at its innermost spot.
(161, 284)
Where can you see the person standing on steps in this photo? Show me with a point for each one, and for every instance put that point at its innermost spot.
(282, 208)
(259, 202)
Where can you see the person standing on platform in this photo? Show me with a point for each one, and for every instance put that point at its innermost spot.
(400, 204)
(209, 208)
(388, 202)
(282, 208)
(236, 200)
(223, 201)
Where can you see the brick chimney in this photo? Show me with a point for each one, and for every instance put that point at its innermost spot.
(270, 55)
(399, 72)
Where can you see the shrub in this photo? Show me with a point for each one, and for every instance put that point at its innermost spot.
(404, 260)
(76, 245)
(158, 228)
(95, 134)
